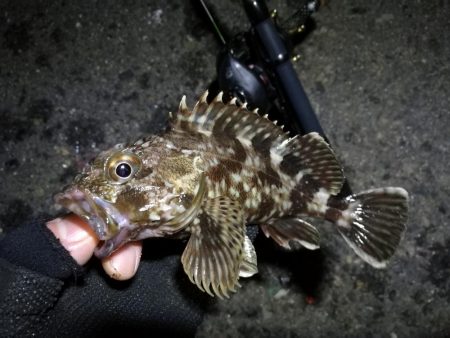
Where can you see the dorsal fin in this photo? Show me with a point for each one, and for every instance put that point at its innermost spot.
(218, 118)
(308, 156)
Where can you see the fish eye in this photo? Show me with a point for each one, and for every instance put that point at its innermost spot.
(123, 170)
(122, 166)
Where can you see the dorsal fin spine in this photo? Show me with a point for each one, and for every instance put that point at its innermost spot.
(219, 97)
(183, 107)
(204, 97)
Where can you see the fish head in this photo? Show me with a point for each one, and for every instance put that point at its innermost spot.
(123, 196)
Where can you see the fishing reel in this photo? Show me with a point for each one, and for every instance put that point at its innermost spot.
(252, 64)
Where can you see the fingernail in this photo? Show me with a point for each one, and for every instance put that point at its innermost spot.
(66, 230)
(123, 264)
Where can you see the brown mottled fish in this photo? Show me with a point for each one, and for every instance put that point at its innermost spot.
(217, 168)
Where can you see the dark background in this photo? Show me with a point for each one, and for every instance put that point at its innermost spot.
(79, 76)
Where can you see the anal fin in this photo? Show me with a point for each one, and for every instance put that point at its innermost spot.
(249, 265)
(285, 230)
(214, 252)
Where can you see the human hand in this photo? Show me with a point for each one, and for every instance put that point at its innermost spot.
(77, 237)
(40, 263)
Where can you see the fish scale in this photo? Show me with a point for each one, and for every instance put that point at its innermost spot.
(217, 168)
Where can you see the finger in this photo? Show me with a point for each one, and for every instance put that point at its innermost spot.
(124, 262)
(75, 236)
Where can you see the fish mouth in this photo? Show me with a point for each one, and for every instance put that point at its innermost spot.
(100, 214)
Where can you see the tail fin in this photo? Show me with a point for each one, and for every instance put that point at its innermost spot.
(373, 223)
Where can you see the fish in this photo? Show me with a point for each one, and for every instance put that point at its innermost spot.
(217, 168)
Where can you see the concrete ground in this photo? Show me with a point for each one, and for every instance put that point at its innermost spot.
(77, 77)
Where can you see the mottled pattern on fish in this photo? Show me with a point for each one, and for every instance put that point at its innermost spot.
(217, 168)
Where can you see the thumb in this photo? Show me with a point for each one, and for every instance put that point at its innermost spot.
(75, 236)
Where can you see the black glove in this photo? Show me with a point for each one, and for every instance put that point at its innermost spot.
(43, 292)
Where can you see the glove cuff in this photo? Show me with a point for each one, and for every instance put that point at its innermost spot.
(34, 247)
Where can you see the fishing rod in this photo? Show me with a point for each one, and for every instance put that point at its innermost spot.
(277, 58)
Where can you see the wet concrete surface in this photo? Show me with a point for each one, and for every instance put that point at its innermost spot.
(78, 77)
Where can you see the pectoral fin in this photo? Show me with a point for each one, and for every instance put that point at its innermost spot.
(285, 230)
(214, 253)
